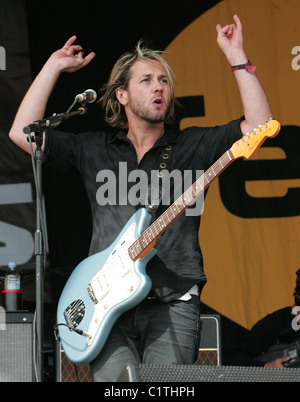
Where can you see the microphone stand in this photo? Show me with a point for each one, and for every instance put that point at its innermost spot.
(38, 127)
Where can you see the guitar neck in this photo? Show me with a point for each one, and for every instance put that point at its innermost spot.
(149, 237)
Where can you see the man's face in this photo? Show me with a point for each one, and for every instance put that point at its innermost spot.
(148, 92)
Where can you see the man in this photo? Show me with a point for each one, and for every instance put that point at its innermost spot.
(139, 99)
(274, 341)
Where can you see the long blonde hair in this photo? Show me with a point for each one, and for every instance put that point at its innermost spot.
(119, 78)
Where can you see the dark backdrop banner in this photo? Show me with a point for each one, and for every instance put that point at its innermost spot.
(250, 228)
(17, 197)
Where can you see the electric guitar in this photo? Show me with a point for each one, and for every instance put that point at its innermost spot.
(108, 283)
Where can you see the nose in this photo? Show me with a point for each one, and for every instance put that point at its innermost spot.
(158, 87)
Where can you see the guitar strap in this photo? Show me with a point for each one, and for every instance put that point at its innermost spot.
(155, 190)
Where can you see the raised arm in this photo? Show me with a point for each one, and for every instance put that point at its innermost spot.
(67, 59)
(255, 103)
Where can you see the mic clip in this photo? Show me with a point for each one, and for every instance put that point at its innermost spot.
(88, 96)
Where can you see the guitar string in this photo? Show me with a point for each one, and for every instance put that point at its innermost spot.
(191, 193)
(224, 160)
(161, 223)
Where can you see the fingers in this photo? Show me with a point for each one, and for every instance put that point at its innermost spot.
(74, 50)
(237, 22)
(229, 29)
(88, 58)
(285, 358)
(77, 52)
(278, 362)
(69, 43)
(218, 28)
(71, 49)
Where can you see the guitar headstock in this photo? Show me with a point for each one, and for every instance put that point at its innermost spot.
(251, 142)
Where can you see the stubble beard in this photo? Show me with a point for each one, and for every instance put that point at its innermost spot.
(144, 112)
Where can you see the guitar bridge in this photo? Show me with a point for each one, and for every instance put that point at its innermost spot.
(92, 294)
(74, 314)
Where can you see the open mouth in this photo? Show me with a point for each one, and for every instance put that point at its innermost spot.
(158, 101)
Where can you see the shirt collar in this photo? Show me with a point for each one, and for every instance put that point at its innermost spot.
(169, 137)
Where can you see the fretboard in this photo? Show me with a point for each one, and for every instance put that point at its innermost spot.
(149, 237)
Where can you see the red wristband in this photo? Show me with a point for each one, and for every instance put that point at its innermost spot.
(247, 66)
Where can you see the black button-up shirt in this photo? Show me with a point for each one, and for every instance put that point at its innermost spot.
(112, 177)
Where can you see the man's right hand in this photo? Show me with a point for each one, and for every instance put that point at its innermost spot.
(67, 59)
(70, 57)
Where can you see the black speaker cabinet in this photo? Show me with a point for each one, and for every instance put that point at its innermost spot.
(189, 373)
(16, 347)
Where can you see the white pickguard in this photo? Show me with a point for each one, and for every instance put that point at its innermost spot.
(115, 282)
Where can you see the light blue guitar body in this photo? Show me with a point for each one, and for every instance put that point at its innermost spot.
(100, 289)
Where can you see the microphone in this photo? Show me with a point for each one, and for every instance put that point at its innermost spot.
(88, 96)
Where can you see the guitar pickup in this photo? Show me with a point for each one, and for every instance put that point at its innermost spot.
(98, 288)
